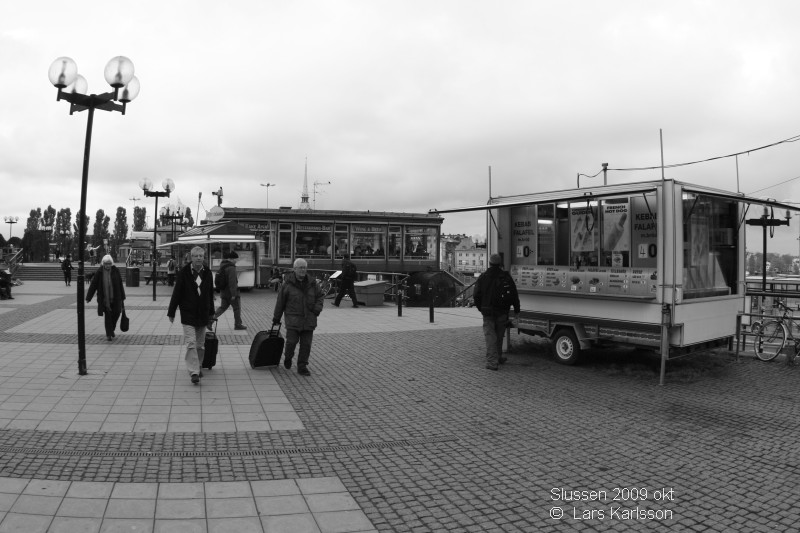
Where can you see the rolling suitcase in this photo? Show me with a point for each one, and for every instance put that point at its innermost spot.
(211, 348)
(267, 348)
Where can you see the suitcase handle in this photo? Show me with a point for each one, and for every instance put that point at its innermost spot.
(278, 325)
(214, 320)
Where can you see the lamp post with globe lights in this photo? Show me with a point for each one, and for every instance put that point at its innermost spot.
(10, 221)
(147, 187)
(72, 87)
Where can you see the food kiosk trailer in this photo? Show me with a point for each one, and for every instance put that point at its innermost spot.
(656, 264)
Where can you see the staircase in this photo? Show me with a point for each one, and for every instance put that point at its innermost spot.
(53, 272)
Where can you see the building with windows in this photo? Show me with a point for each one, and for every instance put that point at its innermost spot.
(470, 257)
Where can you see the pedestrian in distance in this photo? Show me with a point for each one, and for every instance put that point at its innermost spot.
(347, 283)
(300, 299)
(5, 281)
(227, 282)
(66, 266)
(171, 269)
(194, 295)
(107, 283)
(495, 294)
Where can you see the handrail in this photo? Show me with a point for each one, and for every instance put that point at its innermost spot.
(14, 262)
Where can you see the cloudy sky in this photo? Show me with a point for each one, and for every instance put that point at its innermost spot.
(401, 105)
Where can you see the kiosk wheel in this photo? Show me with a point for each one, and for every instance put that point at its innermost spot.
(566, 348)
(768, 340)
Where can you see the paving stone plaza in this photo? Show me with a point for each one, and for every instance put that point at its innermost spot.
(399, 428)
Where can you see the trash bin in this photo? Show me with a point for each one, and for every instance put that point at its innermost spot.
(370, 292)
(132, 277)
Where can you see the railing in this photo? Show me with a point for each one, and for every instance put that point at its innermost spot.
(14, 261)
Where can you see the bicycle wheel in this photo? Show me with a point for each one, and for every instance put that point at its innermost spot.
(769, 340)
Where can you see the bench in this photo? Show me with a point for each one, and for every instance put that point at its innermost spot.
(160, 276)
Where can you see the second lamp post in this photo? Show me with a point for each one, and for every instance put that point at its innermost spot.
(147, 187)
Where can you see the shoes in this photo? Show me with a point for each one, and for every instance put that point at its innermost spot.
(195, 378)
(201, 373)
(503, 360)
(304, 371)
(335, 304)
(108, 337)
(491, 367)
(287, 363)
(240, 327)
(355, 305)
(113, 334)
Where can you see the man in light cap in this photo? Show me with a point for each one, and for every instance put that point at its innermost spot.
(495, 293)
(107, 282)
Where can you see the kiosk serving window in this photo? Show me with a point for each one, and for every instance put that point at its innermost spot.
(285, 242)
(312, 240)
(395, 242)
(710, 246)
(420, 242)
(368, 240)
(341, 242)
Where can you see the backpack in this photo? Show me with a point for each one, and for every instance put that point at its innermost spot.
(503, 292)
(221, 278)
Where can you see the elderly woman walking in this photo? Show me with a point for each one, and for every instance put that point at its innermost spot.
(107, 282)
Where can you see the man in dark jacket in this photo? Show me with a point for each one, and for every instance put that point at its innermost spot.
(495, 293)
(107, 282)
(347, 282)
(194, 295)
(300, 298)
(229, 295)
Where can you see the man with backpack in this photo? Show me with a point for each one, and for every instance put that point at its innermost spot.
(495, 293)
(227, 282)
(347, 283)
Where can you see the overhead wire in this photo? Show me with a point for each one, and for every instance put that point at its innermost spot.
(792, 139)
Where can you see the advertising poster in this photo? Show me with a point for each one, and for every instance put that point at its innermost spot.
(644, 232)
(523, 234)
(582, 221)
(616, 227)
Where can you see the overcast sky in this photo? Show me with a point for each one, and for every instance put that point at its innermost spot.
(401, 105)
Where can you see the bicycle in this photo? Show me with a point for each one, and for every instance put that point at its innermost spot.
(770, 336)
(329, 286)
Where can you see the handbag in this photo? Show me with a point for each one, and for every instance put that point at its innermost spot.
(125, 323)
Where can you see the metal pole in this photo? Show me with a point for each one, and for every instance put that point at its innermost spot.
(82, 231)
(430, 301)
(155, 225)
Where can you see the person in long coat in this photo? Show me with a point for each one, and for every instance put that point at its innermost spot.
(300, 299)
(107, 283)
(194, 295)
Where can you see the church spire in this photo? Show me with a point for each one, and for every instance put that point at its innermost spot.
(304, 197)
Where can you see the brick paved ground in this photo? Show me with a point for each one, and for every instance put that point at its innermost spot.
(401, 418)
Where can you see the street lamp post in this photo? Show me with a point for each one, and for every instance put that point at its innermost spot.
(65, 235)
(72, 87)
(48, 229)
(267, 185)
(10, 220)
(147, 186)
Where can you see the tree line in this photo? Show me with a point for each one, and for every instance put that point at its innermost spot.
(49, 231)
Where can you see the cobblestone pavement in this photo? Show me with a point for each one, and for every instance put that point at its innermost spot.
(400, 428)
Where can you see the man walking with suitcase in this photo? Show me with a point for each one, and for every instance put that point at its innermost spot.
(194, 295)
(300, 298)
